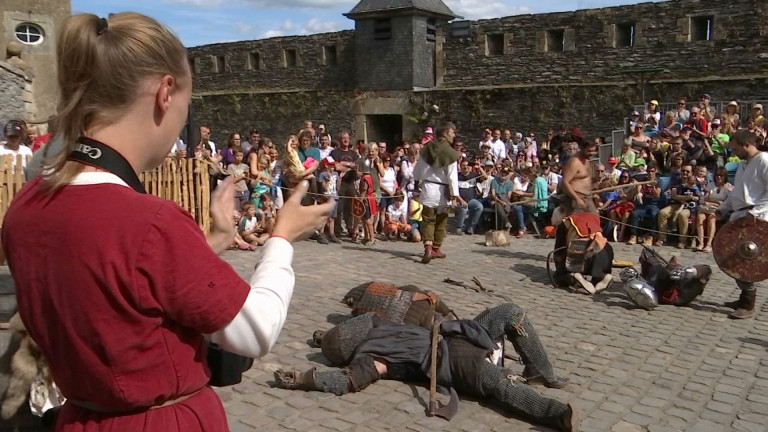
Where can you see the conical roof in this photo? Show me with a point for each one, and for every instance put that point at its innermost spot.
(370, 7)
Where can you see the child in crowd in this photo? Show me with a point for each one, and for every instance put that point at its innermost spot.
(252, 229)
(268, 212)
(397, 217)
(238, 242)
(415, 218)
(240, 174)
(329, 185)
(366, 192)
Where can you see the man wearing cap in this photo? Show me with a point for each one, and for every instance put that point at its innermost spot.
(438, 178)
(429, 135)
(14, 135)
(745, 204)
(611, 170)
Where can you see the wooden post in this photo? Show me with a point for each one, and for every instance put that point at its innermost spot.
(205, 213)
(191, 186)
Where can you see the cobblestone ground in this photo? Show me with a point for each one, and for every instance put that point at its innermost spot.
(687, 369)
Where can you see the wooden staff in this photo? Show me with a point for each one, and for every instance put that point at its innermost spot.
(608, 189)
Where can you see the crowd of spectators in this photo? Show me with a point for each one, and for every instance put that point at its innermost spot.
(508, 179)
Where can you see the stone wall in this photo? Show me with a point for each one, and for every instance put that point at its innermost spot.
(14, 91)
(597, 109)
(663, 30)
(239, 73)
(275, 115)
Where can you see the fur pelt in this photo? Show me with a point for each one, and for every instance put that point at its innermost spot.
(26, 363)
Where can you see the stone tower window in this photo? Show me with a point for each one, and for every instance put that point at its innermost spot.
(29, 34)
(220, 64)
(289, 58)
(556, 40)
(494, 44)
(431, 29)
(382, 29)
(254, 61)
(702, 28)
(625, 35)
(330, 56)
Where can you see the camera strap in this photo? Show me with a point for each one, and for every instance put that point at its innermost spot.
(99, 155)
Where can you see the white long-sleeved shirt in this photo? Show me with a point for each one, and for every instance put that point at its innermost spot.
(254, 330)
(433, 182)
(750, 189)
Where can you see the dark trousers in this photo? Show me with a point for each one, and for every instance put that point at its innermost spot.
(648, 212)
(346, 191)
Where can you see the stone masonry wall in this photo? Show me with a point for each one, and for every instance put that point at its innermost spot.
(662, 32)
(13, 93)
(275, 115)
(312, 70)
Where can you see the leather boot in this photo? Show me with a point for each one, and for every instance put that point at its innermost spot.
(532, 376)
(427, 254)
(295, 380)
(747, 308)
(436, 252)
(736, 303)
(570, 420)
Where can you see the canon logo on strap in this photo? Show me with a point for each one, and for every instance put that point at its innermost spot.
(91, 152)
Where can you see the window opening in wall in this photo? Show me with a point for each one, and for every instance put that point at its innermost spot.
(382, 29)
(254, 61)
(29, 34)
(330, 55)
(625, 35)
(221, 64)
(495, 44)
(290, 58)
(702, 28)
(556, 40)
(431, 29)
(461, 28)
(192, 65)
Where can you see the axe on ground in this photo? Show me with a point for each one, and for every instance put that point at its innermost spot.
(436, 408)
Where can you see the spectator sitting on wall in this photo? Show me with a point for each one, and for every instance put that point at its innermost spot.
(14, 134)
(557, 142)
(486, 139)
(706, 217)
(682, 111)
(635, 119)
(514, 147)
(637, 137)
(647, 200)
(469, 204)
(671, 125)
(708, 112)
(757, 117)
(698, 124)
(321, 129)
(652, 119)
(522, 188)
(611, 171)
(685, 197)
(719, 140)
(599, 175)
(627, 156)
(730, 118)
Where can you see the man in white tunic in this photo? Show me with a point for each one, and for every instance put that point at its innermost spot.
(438, 177)
(747, 203)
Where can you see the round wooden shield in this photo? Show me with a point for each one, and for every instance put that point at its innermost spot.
(358, 207)
(741, 250)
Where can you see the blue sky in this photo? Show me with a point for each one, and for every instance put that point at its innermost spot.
(200, 22)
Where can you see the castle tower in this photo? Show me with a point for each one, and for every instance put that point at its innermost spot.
(395, 42)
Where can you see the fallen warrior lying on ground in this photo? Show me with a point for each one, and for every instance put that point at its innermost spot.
(388, 341)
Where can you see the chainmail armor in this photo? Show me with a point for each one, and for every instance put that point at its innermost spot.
(509, 320)
(334, 381)
(339, 343)
(519, 399)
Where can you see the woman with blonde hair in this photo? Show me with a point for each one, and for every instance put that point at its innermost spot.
(731, 119)
(119, 288)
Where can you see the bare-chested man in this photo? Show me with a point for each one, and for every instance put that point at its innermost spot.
(577, 178)
(577, 186)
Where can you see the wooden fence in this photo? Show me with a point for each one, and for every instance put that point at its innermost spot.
(184, 181)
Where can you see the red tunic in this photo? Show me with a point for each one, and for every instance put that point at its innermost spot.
(117, 288)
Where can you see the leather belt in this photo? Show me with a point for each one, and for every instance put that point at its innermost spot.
(100, 409)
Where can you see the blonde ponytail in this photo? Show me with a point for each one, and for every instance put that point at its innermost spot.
(101, 66)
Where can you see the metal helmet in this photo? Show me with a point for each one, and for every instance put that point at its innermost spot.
(641, 293)
(628, 274)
